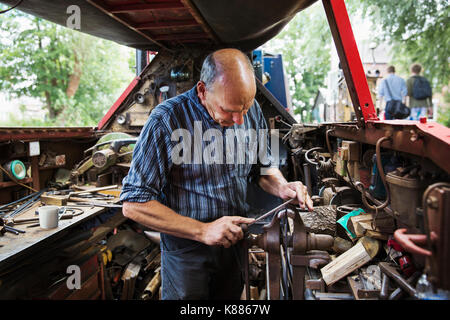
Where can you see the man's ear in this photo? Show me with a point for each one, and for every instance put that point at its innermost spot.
(201, 91)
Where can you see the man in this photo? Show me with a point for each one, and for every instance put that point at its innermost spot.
(393, 88)
(419, 93)
(199, 207)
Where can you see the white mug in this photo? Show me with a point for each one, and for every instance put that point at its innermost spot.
(48, 217)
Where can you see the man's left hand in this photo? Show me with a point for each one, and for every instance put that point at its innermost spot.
(297, 190)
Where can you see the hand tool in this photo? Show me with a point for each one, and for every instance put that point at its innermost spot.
(265, 215)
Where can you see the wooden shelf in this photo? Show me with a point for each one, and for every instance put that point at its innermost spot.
(50, 167)
(12, 183)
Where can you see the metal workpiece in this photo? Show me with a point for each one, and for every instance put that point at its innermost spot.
(290, 252)
(392, 273)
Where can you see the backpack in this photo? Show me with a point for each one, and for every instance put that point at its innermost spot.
(421, 88)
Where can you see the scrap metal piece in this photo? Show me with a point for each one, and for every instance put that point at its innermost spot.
(394, 275)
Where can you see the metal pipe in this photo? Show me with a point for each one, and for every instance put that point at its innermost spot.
(307, 174)
(425, 209)
(383, 179)
(327, 138)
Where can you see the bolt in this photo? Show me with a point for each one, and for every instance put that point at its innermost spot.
(433, 202)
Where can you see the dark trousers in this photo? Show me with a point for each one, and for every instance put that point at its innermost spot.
(194, 271)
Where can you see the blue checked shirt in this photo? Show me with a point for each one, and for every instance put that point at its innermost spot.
(201, 189)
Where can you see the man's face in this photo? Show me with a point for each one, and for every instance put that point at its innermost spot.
(226, 105)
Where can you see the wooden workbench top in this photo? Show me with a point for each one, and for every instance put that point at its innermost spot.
(12, 245)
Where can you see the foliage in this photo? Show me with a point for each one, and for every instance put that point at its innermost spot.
(305, 45)
(419, 31)
(444, 113)
(75, 75)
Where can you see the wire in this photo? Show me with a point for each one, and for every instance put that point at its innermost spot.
(14, 6)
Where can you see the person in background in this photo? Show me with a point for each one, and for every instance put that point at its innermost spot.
(419, 93)
(391, 89)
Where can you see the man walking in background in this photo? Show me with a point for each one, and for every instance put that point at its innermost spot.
(419, 93)
(392, 89)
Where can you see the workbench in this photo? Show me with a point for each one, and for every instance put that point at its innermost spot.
(13, 247)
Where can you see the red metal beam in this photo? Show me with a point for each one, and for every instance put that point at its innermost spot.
(428, 140)
(355, 77)
(117, 104)
(146, 7)
(166, 24)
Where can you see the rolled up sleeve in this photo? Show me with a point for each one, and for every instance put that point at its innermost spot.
(265, 157)
(150, 165)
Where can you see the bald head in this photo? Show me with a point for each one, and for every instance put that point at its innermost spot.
(227, 86)
(229, 68)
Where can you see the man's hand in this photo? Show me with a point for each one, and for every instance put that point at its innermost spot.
(297, 190)
(225, 231)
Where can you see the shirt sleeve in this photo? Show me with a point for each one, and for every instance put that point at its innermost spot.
(265, 158)
(150, 164)
(403, 89)
(381, 88)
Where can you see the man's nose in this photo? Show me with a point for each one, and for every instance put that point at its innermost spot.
(238, 118)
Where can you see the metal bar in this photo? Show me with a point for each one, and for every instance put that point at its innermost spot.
(307, 174)
(349, 57)
(265, 215)
(26, 204)
(392, 273)
(17, 201)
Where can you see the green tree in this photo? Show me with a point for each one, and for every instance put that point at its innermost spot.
(305, 44)
(419, 31)
(75, 75)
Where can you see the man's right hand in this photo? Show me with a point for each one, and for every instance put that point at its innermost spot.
(225, 231)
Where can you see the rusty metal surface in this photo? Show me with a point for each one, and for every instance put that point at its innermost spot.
(428, 141)
(165, 24)
(437, 213)
(38, 133)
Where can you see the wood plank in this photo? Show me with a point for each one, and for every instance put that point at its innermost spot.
(146, 7)
(166, 24)
(361, 253)
(7, 184)
(360, 223)
(183, 36)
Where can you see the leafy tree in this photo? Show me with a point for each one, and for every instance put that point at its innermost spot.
(419, 31)
(75, 75)
(305, 44)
